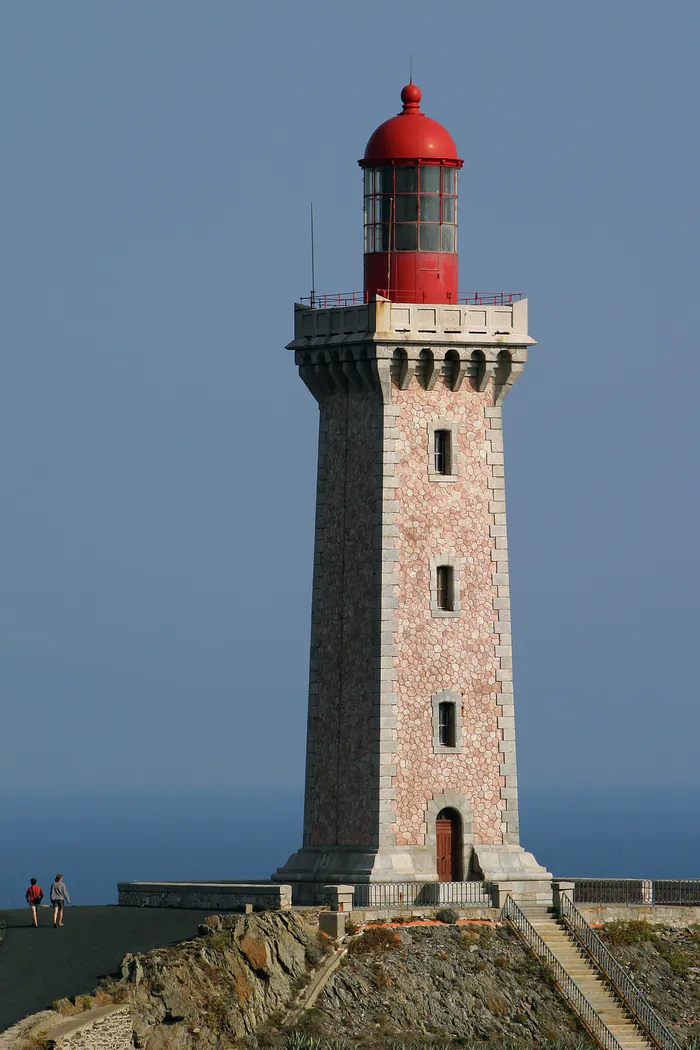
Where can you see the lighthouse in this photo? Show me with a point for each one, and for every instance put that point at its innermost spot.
(410, 758)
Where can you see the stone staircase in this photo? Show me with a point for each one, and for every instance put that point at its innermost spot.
(587, 978)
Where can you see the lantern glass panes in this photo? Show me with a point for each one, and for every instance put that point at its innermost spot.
(430, 178)
(406, 207)
(406, 237)
(410, 208)
(429, 237)
(407, 180)
(449, 238)
(429, 208)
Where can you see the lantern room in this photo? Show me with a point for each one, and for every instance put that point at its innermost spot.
(410, 208)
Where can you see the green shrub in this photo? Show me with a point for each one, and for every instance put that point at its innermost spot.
(218, 942)
(485, 936)
(678, 960)
(447, 915)
(313, 955)
(324, 943)
(374, 939)
(635, 931)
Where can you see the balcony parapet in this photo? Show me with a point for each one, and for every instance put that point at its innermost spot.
(412, 323)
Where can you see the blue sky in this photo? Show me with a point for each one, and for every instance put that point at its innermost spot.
(157, 450)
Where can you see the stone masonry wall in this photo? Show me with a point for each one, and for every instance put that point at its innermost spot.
(469, 653)
(101, 1028)
(341, 795)
(113, 1032)
(210, 895)
(383, 655)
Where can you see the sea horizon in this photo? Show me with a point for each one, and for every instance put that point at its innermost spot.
(97, 841)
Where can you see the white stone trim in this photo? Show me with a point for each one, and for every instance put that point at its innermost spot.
(447, 696)
(502, 628)
(386, 549)
(444, 423)
(456, 565)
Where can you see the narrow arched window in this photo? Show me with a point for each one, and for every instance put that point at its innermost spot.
(445, 588)
(447, 736)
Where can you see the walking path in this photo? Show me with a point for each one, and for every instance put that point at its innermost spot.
(38, 966)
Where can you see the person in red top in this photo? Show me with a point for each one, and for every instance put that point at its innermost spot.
(35, 896)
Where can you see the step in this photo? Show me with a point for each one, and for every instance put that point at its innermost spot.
(587, 978)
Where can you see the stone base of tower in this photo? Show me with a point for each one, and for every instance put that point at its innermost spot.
(313, 867)
(510, 869)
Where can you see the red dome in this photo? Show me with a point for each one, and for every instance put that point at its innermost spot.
(410, 135)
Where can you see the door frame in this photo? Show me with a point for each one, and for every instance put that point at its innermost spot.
(450, 800)
(452, 818)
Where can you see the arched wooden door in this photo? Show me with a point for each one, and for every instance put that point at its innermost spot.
(448, 836)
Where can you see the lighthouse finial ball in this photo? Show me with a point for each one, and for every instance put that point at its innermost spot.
(411, 96)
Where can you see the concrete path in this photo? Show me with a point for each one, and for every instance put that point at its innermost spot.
(38, 966)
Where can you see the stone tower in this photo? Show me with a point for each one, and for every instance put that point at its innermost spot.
(410, 770)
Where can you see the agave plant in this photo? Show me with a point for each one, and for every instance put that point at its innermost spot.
(300, 1041)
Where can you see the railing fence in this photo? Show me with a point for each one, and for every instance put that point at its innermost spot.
(328, 301)
(420, 894)
(637, 891)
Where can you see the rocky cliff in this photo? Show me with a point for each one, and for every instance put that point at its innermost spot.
(208, 993)
(245, 982)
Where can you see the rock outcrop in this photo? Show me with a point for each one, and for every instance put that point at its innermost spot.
(208, 993)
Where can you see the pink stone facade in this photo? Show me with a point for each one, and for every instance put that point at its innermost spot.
(379, 653)
(457, 519)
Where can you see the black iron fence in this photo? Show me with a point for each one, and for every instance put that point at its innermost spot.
(637, 891)
(623, 985)
(676, 891)
(593, 1022)
(421, 894)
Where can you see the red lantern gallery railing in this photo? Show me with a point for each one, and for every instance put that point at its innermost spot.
(335, 299)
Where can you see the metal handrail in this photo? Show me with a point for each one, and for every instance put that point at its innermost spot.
(591, 1019)
(421, 894)
(490, 298)
(623, 985)
(336, 299)
(676, 891)
(681, 892)
(333, 300)
(613, 891)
